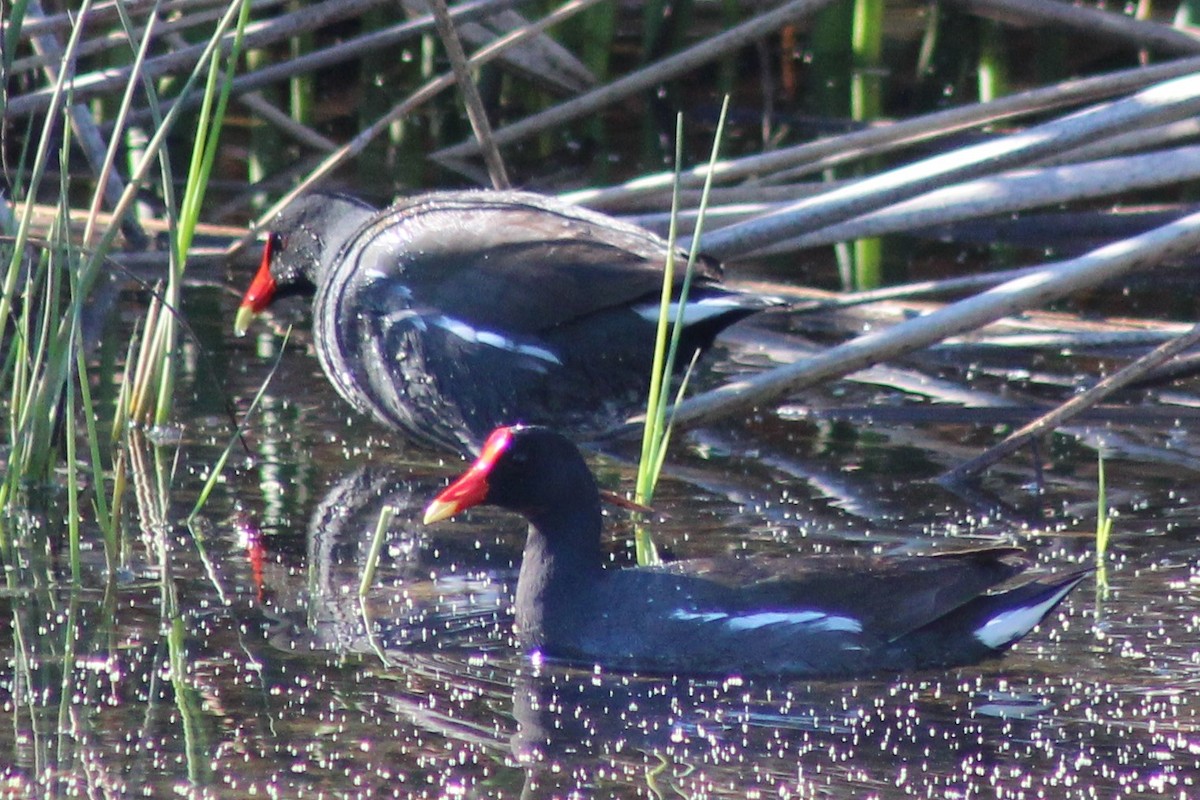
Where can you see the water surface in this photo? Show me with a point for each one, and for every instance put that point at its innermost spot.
(235, 659)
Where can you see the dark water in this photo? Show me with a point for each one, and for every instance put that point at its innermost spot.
(234, 658)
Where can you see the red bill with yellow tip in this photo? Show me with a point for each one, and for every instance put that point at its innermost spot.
(261, 292)
(472, 487)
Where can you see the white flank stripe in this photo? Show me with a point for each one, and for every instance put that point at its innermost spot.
(694, 312)
(457, 327)
(492, 339)
(703, 616)
(815, 620)
(408, 317)
(812, 620)
(1008, 626)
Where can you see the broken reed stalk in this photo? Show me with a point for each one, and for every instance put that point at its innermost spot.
(1163, 102)
(1054, 281)
(356, 145)
(790, 163)
(161, 338)
(473, 103)
(1005, 193)
(672, 66)
(1092, 21)
(1077, 404)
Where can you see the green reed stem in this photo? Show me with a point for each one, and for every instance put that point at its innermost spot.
(661, 455)
(106, 522)
(187, 701)
(219, 466)
(213, 107)
(38, 372)
(1188, 13)
(656, 433)
(119, 124)
(1104, 523)
(866, 46)
(12, 33)
(73, 478)
(993, 67)
(659, 368)
(600, 25)
(36, 379)
(368, 577)
(866, 104)
(41, 155)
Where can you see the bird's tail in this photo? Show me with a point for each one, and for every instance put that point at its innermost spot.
(991, 623)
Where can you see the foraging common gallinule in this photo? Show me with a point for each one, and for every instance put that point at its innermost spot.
(735, 617)
(450, 313)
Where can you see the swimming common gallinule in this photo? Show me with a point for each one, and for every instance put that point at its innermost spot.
(737, 617)
(450, 313)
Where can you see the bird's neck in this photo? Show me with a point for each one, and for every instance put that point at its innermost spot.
(561, 563)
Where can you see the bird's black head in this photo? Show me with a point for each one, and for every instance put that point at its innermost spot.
(531, 470)
(303, 243)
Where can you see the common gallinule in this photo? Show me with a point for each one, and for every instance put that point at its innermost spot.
(450, 313)
(828, 617)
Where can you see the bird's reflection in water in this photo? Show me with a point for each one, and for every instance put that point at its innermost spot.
(432, 591)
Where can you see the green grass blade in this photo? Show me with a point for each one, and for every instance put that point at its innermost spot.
(154, 147)
(107, 524)
(1104, 522)
(993, 67)
(659, 369)
(12, 32)
(368, 577)
(119, 125)
(656, 430)
(866, 104)
(219, 466)
(660, 374)
(41, 155)
(664, 427)
(204, 153)
(679, 395)
(697, 235)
